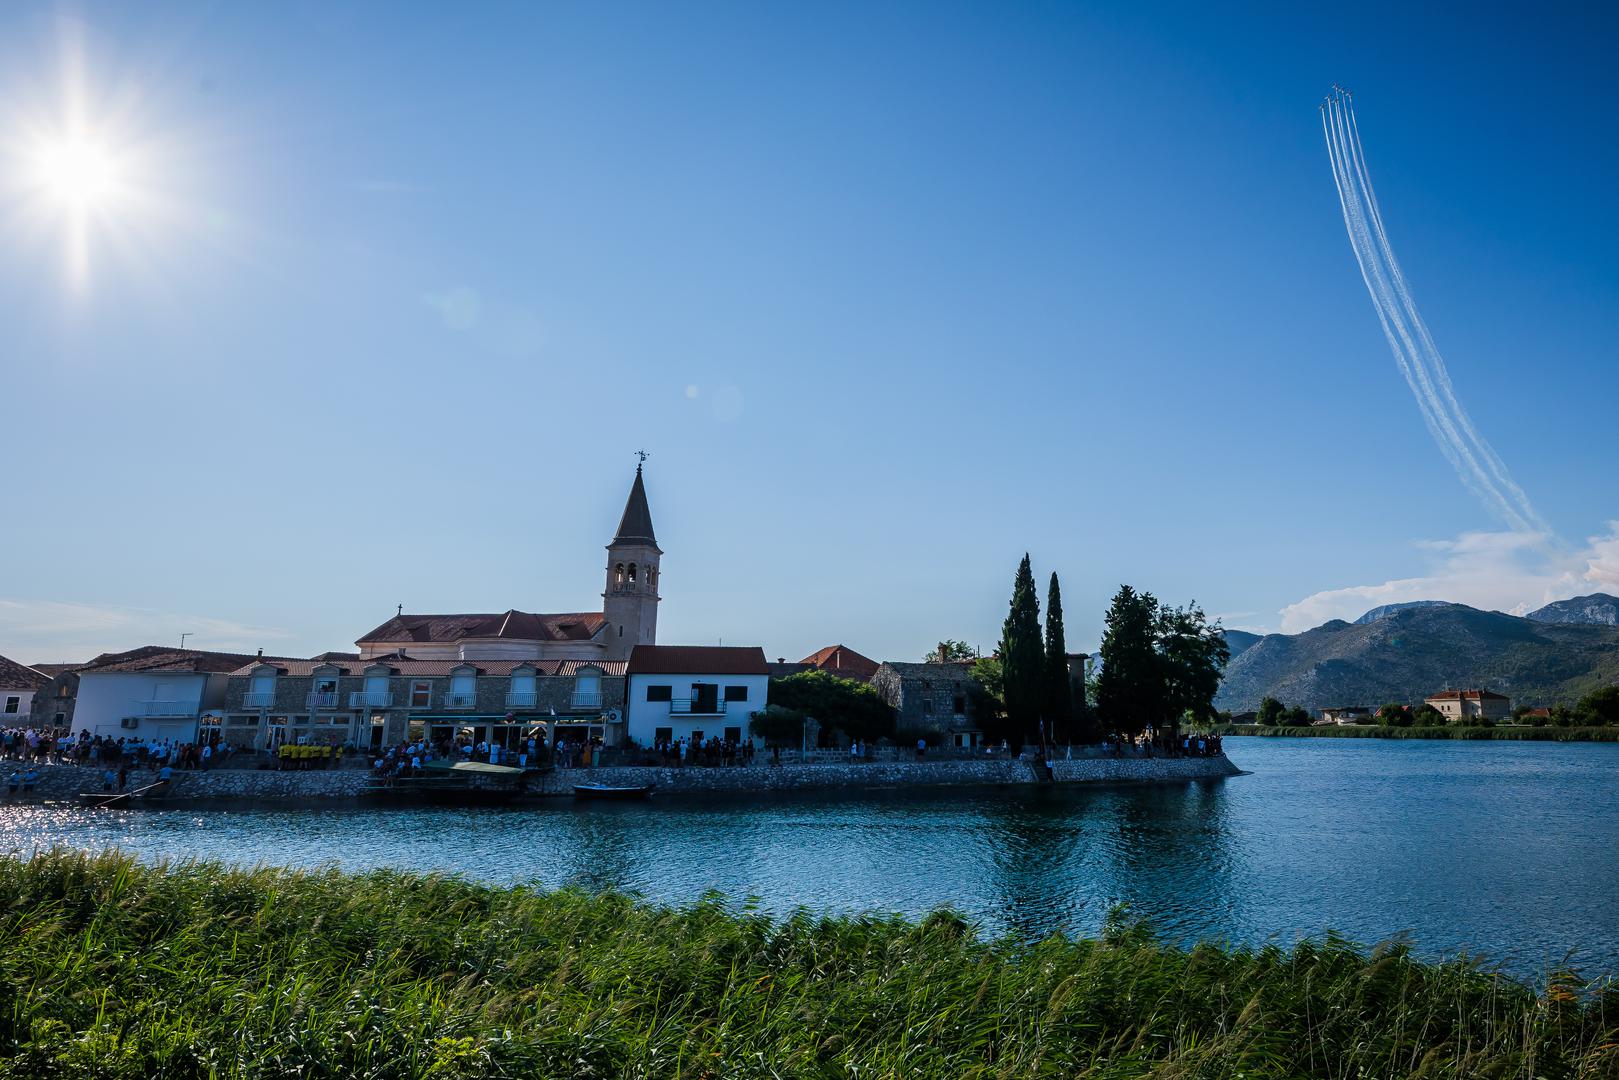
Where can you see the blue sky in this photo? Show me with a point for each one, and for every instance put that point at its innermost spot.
(892, 293)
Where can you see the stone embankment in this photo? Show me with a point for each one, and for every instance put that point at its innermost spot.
(59, 782)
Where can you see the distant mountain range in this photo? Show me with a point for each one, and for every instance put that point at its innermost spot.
(1598, 609)
(1403, 652)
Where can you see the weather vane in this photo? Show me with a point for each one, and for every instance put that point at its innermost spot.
(643, 455)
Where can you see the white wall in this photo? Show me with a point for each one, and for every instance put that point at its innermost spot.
(645, 717)
(17, 717)
(105, 698)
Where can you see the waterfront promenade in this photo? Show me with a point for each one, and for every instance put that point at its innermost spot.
(65, 782)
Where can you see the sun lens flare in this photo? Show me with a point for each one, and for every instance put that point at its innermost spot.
(77, 173)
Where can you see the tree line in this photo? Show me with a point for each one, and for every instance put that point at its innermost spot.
(1159, 668)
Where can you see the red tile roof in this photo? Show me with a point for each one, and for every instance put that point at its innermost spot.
(844, 662)
(698, 660)
(15, 676)
(408, 667)
(1466, 695)
(512, 624)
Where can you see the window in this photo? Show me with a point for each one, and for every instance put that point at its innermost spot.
(927, 707)
(463, 691)
(421, 694)
(736, 693)
(632, 573)
(13, 703)
(961, 705)
(659, 693)
(63, 690)
(663, 735)
(61, 718)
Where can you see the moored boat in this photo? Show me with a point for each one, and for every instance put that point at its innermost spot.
(612, 791)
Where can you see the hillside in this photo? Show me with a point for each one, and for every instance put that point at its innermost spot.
(1410, 652)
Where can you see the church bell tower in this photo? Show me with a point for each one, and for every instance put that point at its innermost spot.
(630, 603)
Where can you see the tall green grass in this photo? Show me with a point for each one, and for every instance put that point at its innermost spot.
(1549, 733)
(118, 969)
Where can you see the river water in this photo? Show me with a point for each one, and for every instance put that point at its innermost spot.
(1505, 850)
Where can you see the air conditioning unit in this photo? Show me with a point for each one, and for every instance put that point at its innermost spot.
(130, 722)
(612, 716)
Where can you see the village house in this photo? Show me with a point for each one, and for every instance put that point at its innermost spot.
(838, 660)
(18, 685)
(1461, 706)
(153, 693)
(693, 692)
(932, 699)
(1348, 714)
(386, 700)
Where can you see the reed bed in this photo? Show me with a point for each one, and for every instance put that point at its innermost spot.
(115, 968)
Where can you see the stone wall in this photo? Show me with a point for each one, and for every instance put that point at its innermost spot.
(59, 782)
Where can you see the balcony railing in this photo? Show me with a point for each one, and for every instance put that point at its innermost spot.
(587, 699)
(453, 700)
(371, 699)
(521, 699)
(691, 707)
(323, 699)
(258, 699)
(165, 708)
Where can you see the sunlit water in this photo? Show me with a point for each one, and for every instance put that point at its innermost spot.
(1510, 850)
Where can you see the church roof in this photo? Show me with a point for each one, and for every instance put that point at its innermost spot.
(636, 524)
(513, 625)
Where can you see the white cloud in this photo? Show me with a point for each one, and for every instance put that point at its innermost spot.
(58, 631)
(1496, 571)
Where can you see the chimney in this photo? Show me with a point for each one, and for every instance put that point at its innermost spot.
(261, 654)
(781, 659)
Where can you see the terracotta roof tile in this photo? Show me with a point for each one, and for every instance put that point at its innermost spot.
(698, 660)
(428, 668)
(15, 676)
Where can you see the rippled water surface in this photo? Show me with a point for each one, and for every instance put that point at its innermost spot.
(1506, 849)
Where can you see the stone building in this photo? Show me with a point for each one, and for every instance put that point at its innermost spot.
(932, 698)
(1461, 706)
(385, 700)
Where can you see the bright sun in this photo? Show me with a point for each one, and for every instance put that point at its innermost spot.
(78, 173)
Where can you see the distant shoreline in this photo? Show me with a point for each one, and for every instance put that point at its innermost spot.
(1458, 732)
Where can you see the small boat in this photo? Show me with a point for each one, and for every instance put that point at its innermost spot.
(610, 791)
(146, 795)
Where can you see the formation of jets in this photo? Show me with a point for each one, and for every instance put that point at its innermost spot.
(1342, 91)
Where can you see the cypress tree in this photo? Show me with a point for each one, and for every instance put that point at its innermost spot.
(1022, 657)
(1059, 692)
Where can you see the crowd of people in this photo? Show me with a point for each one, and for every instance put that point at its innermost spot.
(1162, 744)
(713, 751)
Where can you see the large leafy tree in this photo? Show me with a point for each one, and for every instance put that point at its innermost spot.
(853, 706)
(1059, 690)
(1272, 713)
(950, 651)
(1022, 657)
(1130, 688)
(1192, 653)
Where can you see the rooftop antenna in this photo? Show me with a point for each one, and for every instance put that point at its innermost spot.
(183, 637)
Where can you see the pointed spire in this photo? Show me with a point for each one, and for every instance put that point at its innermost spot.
(636, 524)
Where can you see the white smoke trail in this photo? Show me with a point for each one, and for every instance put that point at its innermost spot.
(1419, 360)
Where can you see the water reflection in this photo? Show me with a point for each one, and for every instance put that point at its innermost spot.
(1501, 848)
